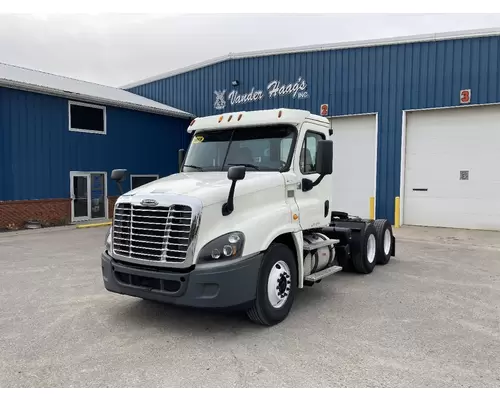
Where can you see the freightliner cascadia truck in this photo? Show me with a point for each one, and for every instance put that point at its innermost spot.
(246, 223)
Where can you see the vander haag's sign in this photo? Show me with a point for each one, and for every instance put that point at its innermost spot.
(297, 90)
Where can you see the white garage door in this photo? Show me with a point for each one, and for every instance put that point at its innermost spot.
(452, 172)
(354, 141)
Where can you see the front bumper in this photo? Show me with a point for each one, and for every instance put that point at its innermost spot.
(208, 286)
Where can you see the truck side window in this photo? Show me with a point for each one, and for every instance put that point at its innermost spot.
(285, 146)
(308, 153)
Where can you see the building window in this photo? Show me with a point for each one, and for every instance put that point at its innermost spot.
(87, 118)
(139, 180)
(308, 152)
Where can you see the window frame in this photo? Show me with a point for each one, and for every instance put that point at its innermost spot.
(304, 143)
(157, 176)
(88, 105)
(286, 168)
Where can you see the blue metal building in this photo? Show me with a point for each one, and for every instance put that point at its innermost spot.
(60, 139)
(386, 79)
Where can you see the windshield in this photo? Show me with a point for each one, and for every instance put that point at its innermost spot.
(266, 148)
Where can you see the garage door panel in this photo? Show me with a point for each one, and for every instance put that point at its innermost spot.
(439, 145)
(354, 138)
(441, 212)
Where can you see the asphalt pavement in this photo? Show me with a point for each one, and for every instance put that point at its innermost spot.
(429, 318)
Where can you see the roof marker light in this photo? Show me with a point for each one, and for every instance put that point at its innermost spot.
(239, 116)
(230, 118)
(279, 113)
(220, 118)
(192, 122)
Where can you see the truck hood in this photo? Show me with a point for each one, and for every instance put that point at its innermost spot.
(209, 187)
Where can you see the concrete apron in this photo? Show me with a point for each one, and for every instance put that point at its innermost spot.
(463, 238)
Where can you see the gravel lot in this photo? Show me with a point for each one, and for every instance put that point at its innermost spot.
(429, 318)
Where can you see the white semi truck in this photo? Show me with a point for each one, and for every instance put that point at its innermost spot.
(246, 223)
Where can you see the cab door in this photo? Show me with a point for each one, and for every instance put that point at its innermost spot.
(315, 204)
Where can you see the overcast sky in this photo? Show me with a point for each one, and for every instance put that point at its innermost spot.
(118, 49)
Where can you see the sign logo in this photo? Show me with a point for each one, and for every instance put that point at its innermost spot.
(149, 203)
(220, 101)
(297, 90)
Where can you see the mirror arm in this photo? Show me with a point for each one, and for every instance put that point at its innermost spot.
(307, 184)
(227, 208)
(120, 188)
(180, 158)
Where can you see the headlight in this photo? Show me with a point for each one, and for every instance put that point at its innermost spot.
(107, 241)
(223, 248)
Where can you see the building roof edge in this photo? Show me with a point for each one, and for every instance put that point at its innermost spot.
(433, 37)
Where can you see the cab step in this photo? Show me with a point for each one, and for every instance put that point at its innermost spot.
(317, 276)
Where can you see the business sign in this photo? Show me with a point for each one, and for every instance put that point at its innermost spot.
(296, 90)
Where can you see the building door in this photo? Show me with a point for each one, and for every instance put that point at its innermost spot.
(80, 191)
(354, 166)
(88, 196)
(452, 168)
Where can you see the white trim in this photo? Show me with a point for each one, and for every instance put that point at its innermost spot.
(330, 117)
(375, 169)
(402, 177)
(88, 174)
(76, 103)
(450, 107)
(142, 176)
(433, 37)
(402, 173)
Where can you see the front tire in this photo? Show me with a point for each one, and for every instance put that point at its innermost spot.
(276, 287)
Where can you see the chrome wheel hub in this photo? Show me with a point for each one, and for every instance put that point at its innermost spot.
(279, 284)
(371, 248)
(387, 242)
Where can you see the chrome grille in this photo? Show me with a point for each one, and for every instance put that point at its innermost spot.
(152, 233)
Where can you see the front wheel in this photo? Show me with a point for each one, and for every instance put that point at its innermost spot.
(276, 287)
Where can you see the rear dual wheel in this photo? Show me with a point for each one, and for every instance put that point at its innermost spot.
(374, 247)
(384, 240)
(364, 253)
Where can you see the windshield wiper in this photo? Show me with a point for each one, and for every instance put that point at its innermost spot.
(248, 166)
(195, 167)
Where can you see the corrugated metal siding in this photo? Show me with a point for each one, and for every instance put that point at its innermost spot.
(385, 79)
(38, 151)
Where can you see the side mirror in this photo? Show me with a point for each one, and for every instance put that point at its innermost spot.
(119, 175)
(324, 157)
(180, 158)
(234, 173)
(324, 164)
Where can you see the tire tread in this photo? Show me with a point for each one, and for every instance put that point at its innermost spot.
(380, 226)
(256, 312)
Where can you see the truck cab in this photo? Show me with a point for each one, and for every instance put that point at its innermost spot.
(245, 223)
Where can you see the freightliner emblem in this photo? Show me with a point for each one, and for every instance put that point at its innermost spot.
(149, 203)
